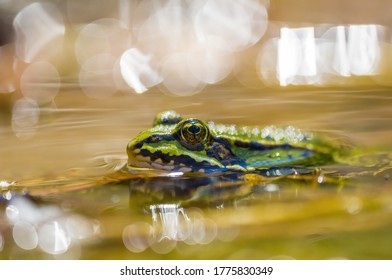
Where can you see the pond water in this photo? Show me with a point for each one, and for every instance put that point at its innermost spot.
(78, 81)
(57, 203)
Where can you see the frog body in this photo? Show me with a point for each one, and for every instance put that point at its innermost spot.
(192, 145)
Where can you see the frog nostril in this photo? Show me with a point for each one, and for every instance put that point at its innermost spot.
(154, 139)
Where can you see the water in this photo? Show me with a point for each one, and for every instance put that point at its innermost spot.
(70, 74)
(59, 210)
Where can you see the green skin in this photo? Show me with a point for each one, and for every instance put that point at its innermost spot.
(191, 145)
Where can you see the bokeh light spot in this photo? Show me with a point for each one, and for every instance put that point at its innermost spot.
(79, 227)
(353, 205)
(164, 246)
(137, 237)
(210, 65)
(1, 242)
(178, 77)
(240, 24)
(25, 235)
(138, 70)
(96, 76)
(164, 27)
(7, 75)
(40, 81)
(39, 30)
(25, 117)
(102, 36)
(53, 238)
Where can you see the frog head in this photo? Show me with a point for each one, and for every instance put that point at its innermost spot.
(176, 144)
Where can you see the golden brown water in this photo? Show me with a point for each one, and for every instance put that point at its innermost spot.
(69, 73)
(286, 219)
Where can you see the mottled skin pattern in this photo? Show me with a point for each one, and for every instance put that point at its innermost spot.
(191, 145)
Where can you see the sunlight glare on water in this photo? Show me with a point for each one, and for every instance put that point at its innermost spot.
(172, 224)
(205, 41)
(303, 61)
(47, 227)
(184, 47)
(304, 58)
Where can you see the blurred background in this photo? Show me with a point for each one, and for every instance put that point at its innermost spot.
(79, 79)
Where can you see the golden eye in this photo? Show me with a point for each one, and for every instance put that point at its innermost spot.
(193, 133)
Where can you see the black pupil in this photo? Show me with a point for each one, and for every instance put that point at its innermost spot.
(194, 129)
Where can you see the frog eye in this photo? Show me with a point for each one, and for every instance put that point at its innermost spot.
(193, 133)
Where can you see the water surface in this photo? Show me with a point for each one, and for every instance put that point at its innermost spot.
(59, 209)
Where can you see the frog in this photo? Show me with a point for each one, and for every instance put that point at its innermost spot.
(192, 145)
(176, 149)
(189, 160)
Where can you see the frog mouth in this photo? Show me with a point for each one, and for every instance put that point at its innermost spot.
(145, 159)
(136, 159)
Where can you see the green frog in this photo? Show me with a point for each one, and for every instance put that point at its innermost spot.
(183, 145)
(191, 160)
